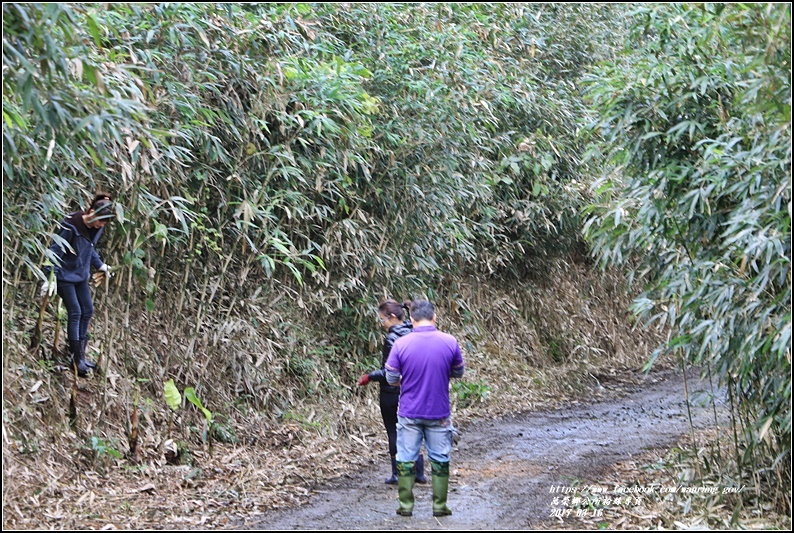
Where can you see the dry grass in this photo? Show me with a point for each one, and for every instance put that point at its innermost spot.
(691, 485)
(526, 346)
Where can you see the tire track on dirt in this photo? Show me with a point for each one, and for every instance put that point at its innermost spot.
(503, 470)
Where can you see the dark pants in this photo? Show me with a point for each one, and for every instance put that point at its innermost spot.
(79, 307)
(388, 410)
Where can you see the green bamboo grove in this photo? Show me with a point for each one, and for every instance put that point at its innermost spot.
(700, 129)
(331, 154)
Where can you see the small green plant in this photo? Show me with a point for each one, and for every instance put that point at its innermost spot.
(183, 453)
(470, 392)
(206, 435)
(174, 399)
(28, 447)
(304, 421)
(102, 448)
(135, 469)
(223, 431)
(190, 394)
(555, 351)
(126, 507)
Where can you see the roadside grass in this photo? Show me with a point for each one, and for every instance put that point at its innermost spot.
(694, 484)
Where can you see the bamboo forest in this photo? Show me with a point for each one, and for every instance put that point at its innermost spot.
(595, 198)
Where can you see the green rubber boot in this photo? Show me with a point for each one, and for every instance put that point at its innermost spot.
(440, 473)
(406, 477)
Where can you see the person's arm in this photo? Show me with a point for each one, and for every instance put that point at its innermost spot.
(96, 261)
(63, 241)
(457, 368)
(393, 377)
(392, 367)
(388, 342)
(61, 245)
(378, 375)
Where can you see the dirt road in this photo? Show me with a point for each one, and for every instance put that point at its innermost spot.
(512, 472)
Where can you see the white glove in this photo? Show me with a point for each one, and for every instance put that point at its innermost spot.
(106, 269)
(48, 289)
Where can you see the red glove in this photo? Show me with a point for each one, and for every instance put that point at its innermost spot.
(364, 380)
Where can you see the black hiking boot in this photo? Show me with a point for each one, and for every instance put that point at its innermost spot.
(420, 470)
(78, 358)
(393, 479)
(88, 363)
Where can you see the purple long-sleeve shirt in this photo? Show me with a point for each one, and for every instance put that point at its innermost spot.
(423, 362)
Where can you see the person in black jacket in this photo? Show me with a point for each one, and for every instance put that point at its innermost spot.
(75, 253)
(392, 318)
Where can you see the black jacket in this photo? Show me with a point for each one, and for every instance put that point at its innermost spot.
(395, 332)
(76, 265)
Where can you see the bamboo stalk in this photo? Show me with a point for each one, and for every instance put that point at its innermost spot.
(187, 273)
(714, 408)
(106, 306)
(133, 437)
(733, 425)
(689, 414)
(203, 297)
(103, 403)
(231, 307)
(56, 339)
(73, 398)
(35, 342)
(12, 298)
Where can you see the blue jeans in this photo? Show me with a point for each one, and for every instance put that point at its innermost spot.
(79, 308)
(437, 435)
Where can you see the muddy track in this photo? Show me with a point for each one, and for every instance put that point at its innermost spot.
(504, 472)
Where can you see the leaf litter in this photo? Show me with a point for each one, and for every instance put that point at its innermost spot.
(63, 474)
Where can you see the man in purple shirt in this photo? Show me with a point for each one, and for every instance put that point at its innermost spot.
(422, 364)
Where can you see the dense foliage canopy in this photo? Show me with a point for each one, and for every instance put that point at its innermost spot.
(341, 153)
(325, 141)
(335, 153)
(697, 121)
(279, 168)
